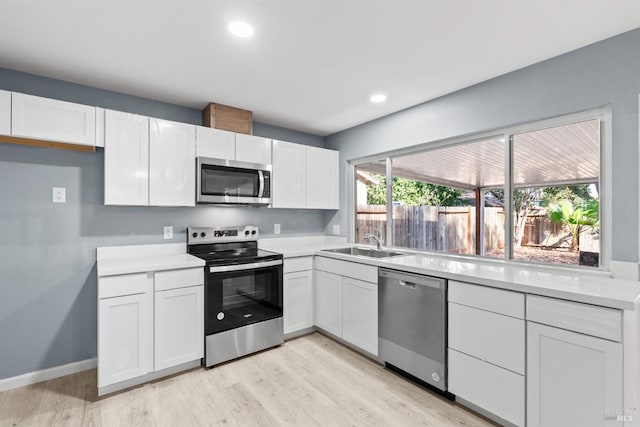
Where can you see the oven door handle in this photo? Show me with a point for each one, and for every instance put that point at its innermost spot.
(240, 267)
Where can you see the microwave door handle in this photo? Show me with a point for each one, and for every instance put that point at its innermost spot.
(261, 179)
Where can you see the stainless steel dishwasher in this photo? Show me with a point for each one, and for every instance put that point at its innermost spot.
(412, 325)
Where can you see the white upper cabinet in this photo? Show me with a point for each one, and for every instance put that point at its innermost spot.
(288, 181)
(253, 149)
(215, 143)
(222, 144)
(52, 120)
(126, 159)
(304, 177)
(5, 112)
(172, 153)
(322, 179)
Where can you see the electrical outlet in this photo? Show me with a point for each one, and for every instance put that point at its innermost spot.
(59, 195)
(168, 232)
(336, 229)
(276, 228)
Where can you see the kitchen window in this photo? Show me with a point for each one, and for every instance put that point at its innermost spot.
(532, 193)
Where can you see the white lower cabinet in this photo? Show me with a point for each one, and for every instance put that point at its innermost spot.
(486, 340)
(297, 293)
(328, 302)
(572, 379)
(487, 386)
(346, 306)
(179, 326)
(298, 301)
(141, 331)
(125, 336)
(360, 314)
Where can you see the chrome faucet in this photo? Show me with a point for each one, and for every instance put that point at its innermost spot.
(377, 238)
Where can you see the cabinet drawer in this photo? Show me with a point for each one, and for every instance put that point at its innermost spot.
(350, 269)
(125, 284)
(492, 337)
(497, 390)
(297, 264)
(491, 299)
(174, 279)
(584, 318)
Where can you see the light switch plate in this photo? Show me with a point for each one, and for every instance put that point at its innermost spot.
(168, 232)
(59, 195)
(276, 228)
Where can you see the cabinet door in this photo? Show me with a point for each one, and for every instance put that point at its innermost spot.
(179, 326)
(288, 181)
(298, 301)
(328, 302)
(52, 120)
(253, 149)
(126, 159)
(125, 338)
(572, 379)
(215, 143)
(172, 167)
(360, 314)
(322, 179)
(5, 112)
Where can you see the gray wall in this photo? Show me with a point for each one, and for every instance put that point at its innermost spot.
(47, 251)
(606, 73)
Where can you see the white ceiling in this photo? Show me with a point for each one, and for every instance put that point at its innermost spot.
(311, 64)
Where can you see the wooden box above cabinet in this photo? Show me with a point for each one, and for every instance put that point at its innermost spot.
(224, 117)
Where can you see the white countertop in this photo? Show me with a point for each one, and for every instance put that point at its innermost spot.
(590, 288)
(116, 260)
(581, 286)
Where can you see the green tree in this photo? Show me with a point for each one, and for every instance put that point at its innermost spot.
(414, 193)
(576, 219)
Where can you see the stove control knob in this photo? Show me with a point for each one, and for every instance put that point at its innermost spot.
(194, 235)
(253, 232)
(246, 232)
(203, 234)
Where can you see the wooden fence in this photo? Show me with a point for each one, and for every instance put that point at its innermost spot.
(449, 229)
(453, 229)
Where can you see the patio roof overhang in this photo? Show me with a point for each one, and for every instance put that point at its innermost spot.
(563, 155)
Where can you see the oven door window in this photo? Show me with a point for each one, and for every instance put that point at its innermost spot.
(241, 298)
(228, 181)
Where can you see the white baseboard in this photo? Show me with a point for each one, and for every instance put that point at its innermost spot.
(46, 374)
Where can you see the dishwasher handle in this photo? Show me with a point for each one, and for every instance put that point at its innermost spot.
(408, 280)
(407, 284)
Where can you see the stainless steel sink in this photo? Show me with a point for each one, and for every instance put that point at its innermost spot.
(366, 252)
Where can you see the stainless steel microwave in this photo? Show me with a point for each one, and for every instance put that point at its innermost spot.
(230, 182)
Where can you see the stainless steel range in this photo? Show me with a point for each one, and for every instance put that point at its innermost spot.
(243, 292)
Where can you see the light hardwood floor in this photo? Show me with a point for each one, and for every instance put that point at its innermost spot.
(309, 381)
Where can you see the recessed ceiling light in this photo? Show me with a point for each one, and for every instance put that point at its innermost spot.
(240, 29)
(377, 98)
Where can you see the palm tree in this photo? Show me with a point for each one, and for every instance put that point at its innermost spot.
(576, 219)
